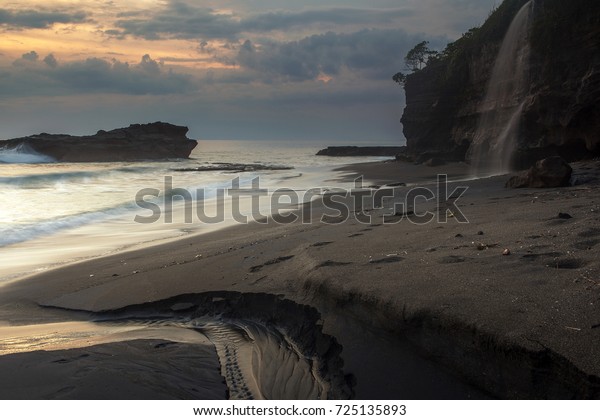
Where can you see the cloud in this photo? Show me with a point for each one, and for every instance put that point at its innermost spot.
(27, 59)
(30, 77)
(30, 56)
(179, 20)
(51, 61)
(374, 53)
(309, 70)
(337, 16)
(38, 19)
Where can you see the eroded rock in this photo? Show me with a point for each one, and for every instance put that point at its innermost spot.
(546, 173)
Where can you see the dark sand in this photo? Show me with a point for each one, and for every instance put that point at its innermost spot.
(470, 319)
(133, 369)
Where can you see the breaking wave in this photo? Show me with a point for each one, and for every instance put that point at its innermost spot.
(22, 154)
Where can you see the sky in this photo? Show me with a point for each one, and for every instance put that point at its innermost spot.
(232, 69)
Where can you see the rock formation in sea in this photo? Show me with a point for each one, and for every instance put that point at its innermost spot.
(361, 151)
(153, 141)
(557, 107)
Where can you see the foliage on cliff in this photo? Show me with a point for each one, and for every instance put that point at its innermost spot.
(456, 56)
(553, 30)
(450, 67)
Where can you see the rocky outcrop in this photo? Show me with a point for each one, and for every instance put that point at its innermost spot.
(137, 142)
(561, 112)
(547, 173)
(434, 162)
(234, 167)
(361, 151)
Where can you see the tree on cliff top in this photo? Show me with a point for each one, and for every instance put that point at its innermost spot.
(418, 56)
(415, 60)
(399, 78)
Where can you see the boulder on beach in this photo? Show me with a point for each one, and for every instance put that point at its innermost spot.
(434, 161)
(546, 173)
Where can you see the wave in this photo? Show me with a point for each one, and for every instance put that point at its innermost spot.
(22, 154)
(54, 177)
(45, 178)
(24, 232)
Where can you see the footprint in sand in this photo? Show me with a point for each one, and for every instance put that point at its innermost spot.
(62, 393)
(320, 244)
(567, 263)
(255, 268)
(535, 257)
(73, 359)
(590, 233)
(233, 345)
(387, 260)
(163, 345)
(252, 283)
(452, 259)
(586, 245)
(330, 263)
(554, 260)
(277, 260)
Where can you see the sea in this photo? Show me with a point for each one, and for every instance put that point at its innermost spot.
(54, 214)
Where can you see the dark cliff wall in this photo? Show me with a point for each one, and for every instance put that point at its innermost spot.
(561, 112)
(564, 108)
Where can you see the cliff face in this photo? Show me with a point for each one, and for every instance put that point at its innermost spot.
(563, 111)
(561, 107)
(137, 142)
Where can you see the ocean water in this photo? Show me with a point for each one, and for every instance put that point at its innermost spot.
(56, 213)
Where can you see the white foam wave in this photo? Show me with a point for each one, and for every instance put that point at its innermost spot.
(24, 232)
(22, 154)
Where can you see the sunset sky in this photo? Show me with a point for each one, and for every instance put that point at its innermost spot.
(237, 69)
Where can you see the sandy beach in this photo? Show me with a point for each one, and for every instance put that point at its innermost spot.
(332, 310)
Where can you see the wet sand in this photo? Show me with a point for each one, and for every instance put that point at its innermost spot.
(524, 325)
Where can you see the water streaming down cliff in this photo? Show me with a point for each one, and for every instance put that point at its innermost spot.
(497, 133)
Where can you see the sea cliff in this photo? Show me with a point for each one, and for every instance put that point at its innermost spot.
(560, 114)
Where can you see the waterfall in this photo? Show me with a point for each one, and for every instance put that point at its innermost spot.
(497, 133)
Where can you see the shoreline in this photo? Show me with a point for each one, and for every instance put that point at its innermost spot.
(68, 242)
(499, 323)
(392, 171)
